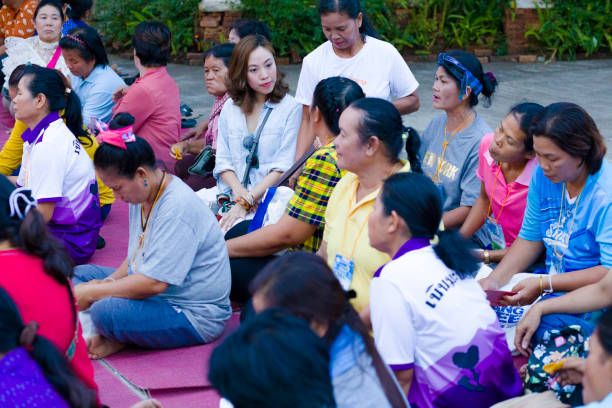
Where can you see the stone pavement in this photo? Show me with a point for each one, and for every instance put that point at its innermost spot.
(587, 83)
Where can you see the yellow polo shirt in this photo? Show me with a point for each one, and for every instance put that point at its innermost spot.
(10, 159)
(343, 213)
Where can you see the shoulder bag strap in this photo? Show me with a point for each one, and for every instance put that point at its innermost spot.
(286, 175)
(245, 178)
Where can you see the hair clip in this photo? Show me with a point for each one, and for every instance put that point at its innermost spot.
(25, 195)
(76, 39)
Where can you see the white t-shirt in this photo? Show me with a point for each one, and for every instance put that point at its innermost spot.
(378, 67)
(428, 319)
(57, 169)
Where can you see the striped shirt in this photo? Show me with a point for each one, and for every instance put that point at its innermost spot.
(312, 190)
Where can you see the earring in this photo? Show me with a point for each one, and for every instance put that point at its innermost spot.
(145, 182)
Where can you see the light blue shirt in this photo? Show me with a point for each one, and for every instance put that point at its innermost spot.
(604, 403)
(276, 150)
(590, 238)
(96, 93)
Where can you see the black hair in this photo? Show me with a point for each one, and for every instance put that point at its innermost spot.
(54, 86)
(152, 41)
(604, 331)
(124, 161)
(249, 26)
(78, 8)
(55, 3)
(416, 200)
(302, 283)
(381, 118)
(221, 51)
(525, 113)
(89, 44)
(351, 8)
(51, 361)
(469, 61)
(332, 96)
(16, 75)
(273, 360)
(574, 131)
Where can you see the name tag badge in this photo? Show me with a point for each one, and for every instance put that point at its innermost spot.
(343, 270)
(495, 234)
(556, 265)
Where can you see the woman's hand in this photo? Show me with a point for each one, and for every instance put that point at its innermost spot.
(572, 371)
(526, 328)
(527, 291)
(236, 213)
(84, 296)
(240, 191)
(489, 284)
(196, 131)
(119, 93)
(177, 150)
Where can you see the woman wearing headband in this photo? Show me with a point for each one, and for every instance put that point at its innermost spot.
(449, 149)
(90, 76)
(36, 273)
(172, 290)
(55, 165)
(418, 303)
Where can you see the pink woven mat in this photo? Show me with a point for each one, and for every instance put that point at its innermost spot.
(175, 369)
(192, 397)
(113, 392)
(115, 232)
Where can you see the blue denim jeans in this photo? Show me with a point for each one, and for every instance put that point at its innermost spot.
(151, 323)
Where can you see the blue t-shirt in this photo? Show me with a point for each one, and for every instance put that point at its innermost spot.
(589, 243)
(96, 93)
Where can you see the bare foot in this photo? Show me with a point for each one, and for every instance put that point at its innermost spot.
(100, 347)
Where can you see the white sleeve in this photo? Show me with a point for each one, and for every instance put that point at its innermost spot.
(307, 81)
(402, 81)
(393, 325)
(223, 155)
(47, 169)
(286, 150)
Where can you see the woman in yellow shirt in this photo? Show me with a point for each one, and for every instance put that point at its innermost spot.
(10, 155)
(368, 146)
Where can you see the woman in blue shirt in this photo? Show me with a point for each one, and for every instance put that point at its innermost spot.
(568, 214)
(90, 75)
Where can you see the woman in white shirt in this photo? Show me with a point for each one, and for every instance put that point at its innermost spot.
(259, 102)
(432, 322)
(42, 49)
(354, 52)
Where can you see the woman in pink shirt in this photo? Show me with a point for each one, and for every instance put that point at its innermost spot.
(153, 100)
(506, 160)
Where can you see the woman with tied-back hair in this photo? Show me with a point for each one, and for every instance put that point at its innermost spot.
(419, 301)
(449, 149)
(55, 165)
(301, 227)
(353, 50)
(35, 272)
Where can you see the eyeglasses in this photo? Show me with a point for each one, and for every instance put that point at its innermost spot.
(248, 143)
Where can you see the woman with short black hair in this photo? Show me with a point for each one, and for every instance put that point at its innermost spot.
(90, 75)
(153, 100)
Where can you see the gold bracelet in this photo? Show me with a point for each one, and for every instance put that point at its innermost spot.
(486, 256)
(541, 286)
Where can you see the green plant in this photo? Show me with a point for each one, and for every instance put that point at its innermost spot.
(117, 19)
(568, 27)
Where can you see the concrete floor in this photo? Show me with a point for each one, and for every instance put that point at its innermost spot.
(587, 83)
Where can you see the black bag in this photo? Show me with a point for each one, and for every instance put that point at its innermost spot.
(204, 162)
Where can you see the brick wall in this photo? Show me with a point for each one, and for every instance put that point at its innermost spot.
(516, 23)
(210, 26)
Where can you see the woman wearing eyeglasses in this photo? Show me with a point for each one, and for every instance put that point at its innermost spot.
(449, 149)
(259, 104)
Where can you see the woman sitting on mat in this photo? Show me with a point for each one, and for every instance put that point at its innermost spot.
(301, 227)
(261, 118)
(216, 60)
(303, 284)
(418, 303)
(55, 166)
(505, 163)
(172, 290)
(368, 146)
(568, 215)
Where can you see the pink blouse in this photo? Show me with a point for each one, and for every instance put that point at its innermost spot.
(154, 101)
